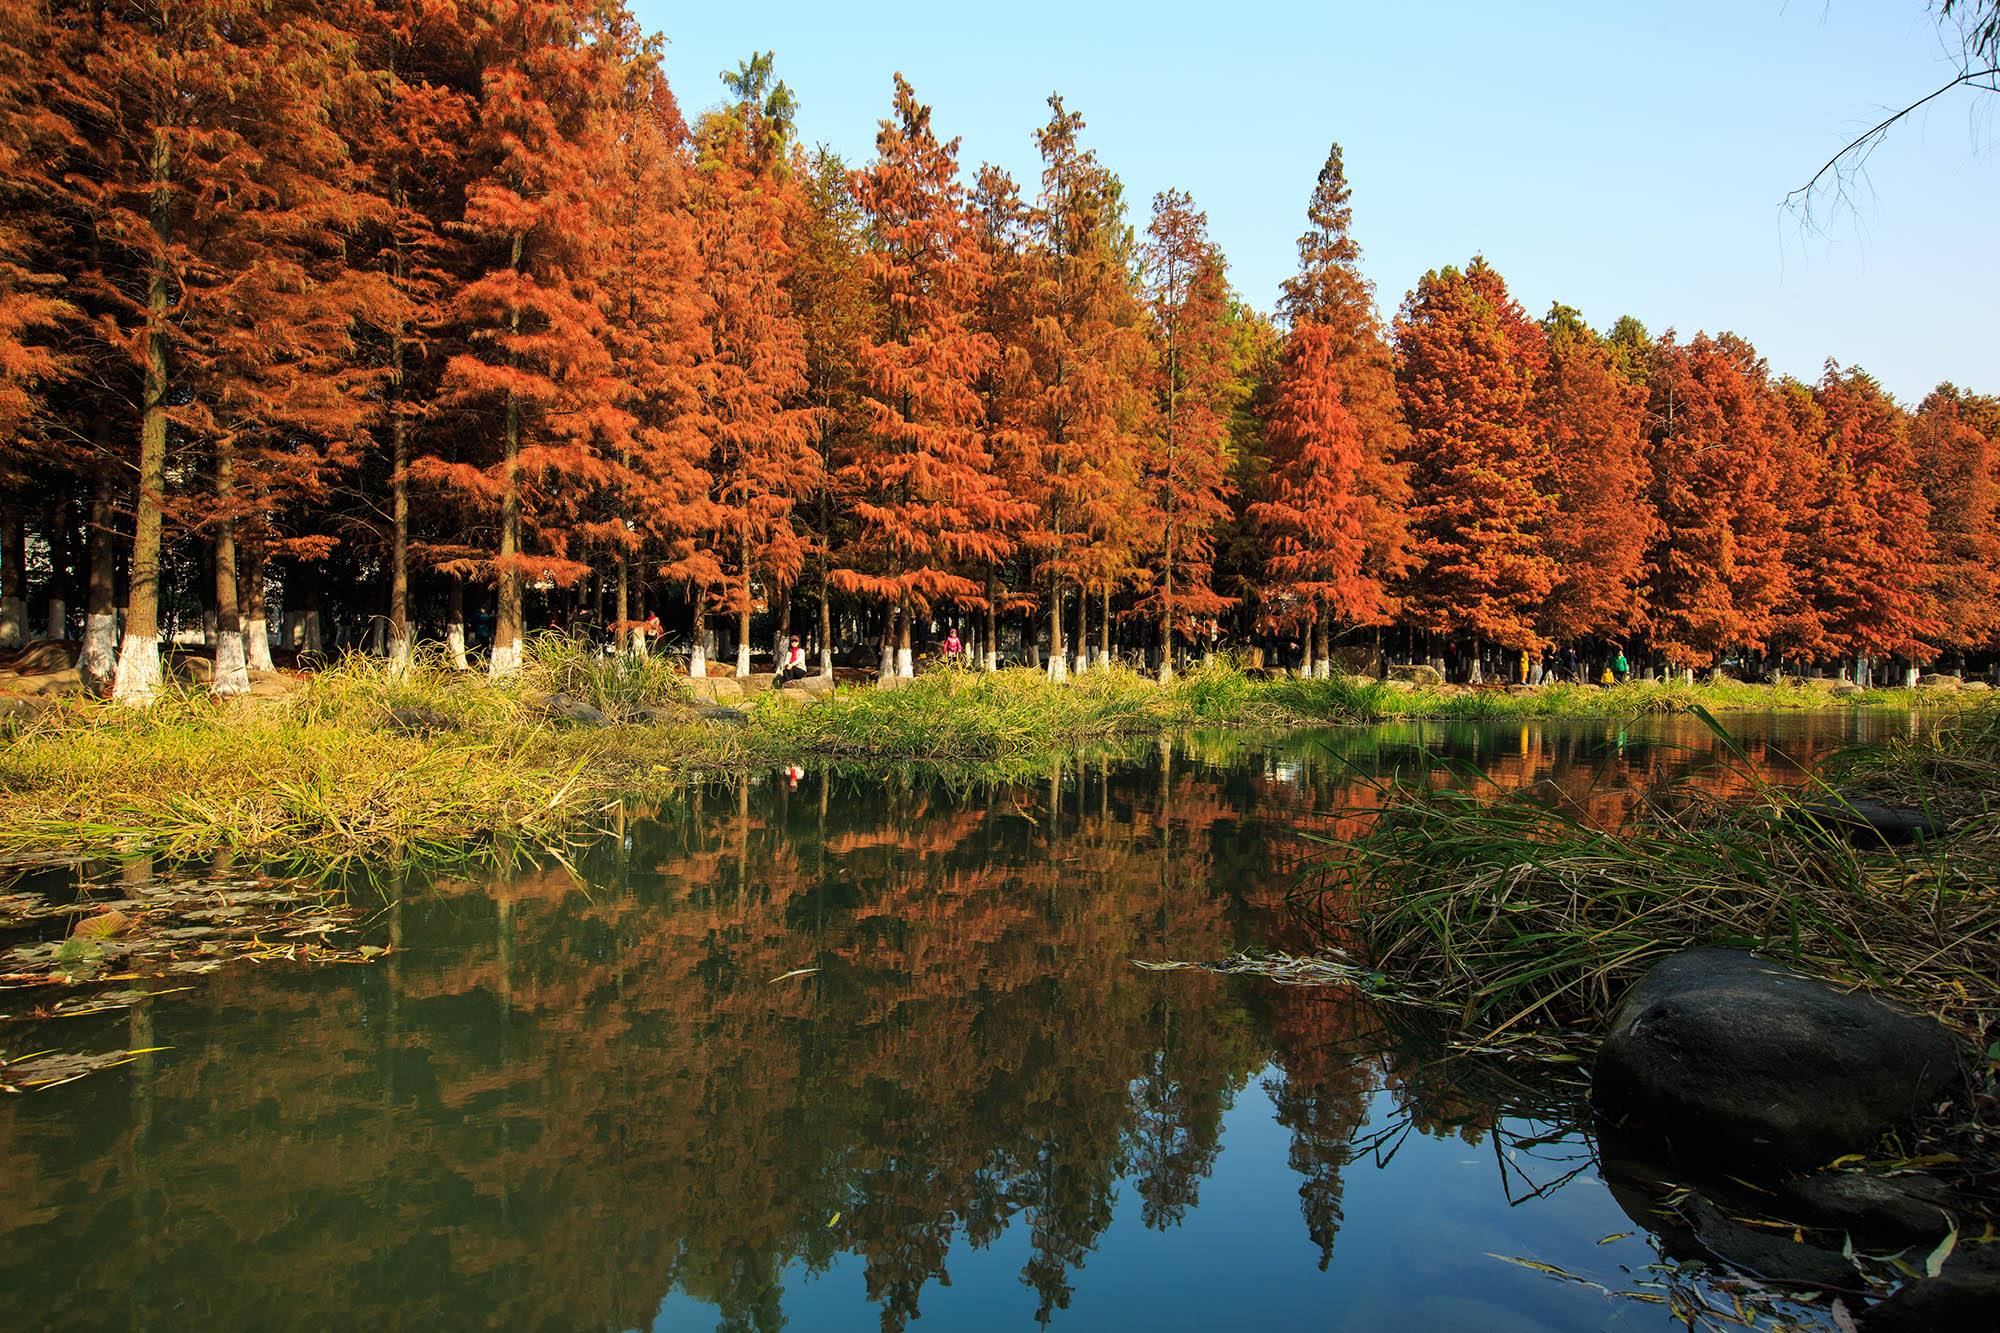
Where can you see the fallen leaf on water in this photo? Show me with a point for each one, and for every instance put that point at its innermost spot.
(1616, 1235)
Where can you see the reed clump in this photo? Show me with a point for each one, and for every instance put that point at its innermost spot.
(1519, 914)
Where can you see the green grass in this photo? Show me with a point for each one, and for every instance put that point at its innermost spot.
(364, 762)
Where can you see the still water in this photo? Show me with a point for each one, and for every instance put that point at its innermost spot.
(611, 1095)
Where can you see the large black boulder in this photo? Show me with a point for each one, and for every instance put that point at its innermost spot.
(1719, 1054)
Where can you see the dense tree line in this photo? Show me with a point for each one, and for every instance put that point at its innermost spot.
(401, 314)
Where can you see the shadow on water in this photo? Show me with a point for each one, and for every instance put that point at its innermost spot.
(840, 1049)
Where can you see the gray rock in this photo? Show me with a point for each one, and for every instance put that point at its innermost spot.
(1866, 823)
(1844, 689)
(1875, 1210)
(708, 712)
(1416, 673)
(1963, 1298)
(714, 689)
(1770, 1256)
(1717, 1052)
(1936, 681)
(562, 708)
(23, 707)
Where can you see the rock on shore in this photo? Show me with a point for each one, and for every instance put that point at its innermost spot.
(1718, 1053)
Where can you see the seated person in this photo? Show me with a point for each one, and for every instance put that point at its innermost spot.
(794, 666)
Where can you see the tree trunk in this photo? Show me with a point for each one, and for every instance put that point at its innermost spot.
(231, 676)
(1104, 629)
(992, 637)
(256, 618)
(399, 533)
(782, 640)
(55, 614)
(506, 654)
(698, 654)
(825, 632)
(626, 637)
(1082, 641)
(138, 676)
(906, 665)
(743, 616)
(13, 578)
(312, 634)
(454, 633)
(1058, 656)
(99, 663)
(1322, 650)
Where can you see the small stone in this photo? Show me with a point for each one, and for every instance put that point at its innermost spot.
(562, 708)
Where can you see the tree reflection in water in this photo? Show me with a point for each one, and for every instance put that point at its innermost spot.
(570, 1090)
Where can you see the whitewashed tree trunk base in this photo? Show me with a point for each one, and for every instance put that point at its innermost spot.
(99, 663)
(13, 621)
(58, 625)
(506, 659)
(232, 675)
(906, 665)
(454, 645)
(257, 645)
(992, 660)
(743, 658)
(137, 682)
(697, 661)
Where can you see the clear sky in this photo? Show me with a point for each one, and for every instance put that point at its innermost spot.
(1623, 158)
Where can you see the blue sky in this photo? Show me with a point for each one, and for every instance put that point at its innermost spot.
(1622, 158)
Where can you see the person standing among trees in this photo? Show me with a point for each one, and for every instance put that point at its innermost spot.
(1621, 670)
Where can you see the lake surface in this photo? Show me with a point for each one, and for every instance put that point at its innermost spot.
(610, 1095)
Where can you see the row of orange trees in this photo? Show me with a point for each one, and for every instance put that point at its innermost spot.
(453, 293)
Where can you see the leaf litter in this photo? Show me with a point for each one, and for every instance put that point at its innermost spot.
(101, 945)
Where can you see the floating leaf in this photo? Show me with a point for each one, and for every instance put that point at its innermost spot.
(1935, 1264)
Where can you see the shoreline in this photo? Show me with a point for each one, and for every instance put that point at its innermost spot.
(354, 763)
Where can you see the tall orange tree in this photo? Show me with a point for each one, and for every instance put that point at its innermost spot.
(1187, 466)
(531, 374)
(831, 299)
(1468, 364)
(412, 150)
(1329, 290)
(1955, 441)
(1872, 586)
(926, 500)
(655, 508)
(1593, 419)
(1312, 519)
(33, 138)
(1079, 375)
(222, 308)
(760, 427)
(1716, 569)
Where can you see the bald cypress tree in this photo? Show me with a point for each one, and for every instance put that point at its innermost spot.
(1468, 364)
(928, 506)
